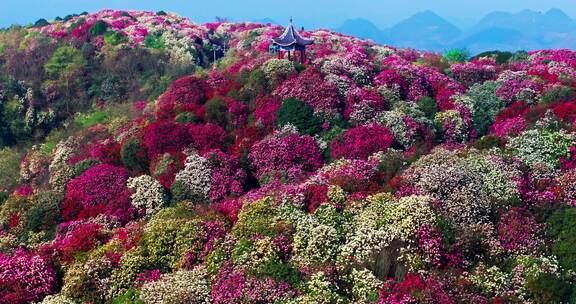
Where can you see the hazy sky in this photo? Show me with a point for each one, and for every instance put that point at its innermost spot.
(311, 13)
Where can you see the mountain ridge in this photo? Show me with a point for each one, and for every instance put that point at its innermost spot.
(427, 30)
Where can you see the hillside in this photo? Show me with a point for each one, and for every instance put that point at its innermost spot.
(149, 159)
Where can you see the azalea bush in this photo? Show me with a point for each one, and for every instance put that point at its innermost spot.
(138, 168)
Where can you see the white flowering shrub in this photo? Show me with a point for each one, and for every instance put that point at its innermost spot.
(180, 287)
(541, 147)
(196, 176)
(491, 281)
(365, 286)
(57, 299)
(385, 223)
(60, 171)
(148, 193)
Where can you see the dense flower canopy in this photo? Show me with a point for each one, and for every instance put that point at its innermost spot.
(149, 159)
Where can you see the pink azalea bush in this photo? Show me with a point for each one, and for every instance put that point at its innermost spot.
(362, 141)
(25, 278)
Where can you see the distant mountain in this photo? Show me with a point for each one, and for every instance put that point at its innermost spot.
(524, 30)
(365, 29)
(495, 38)
(265, 21)
(425, 30)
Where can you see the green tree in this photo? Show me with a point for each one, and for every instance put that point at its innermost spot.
(64, 60)
(299, 114)
(457, 55)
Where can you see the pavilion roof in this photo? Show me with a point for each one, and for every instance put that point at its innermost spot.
(291, 37)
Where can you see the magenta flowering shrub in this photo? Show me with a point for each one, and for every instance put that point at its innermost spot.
(25, 278)
(228, 177)
(235, 286)
(311, 87)
(473, 72)
(290, 157)
(166, 137)
(99, 190)
(185, 94)
(519, 233)
(361, 142)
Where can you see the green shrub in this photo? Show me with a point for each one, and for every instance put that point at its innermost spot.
(9, 168)
(486, 105)
(180, 193)
(186, 117)
(91, 119)
(488, 142)
(428, 106)
(549, 288)
(299, 114)
(257, 218)
(499, 56)
(562, 229)
(44, 214)
(216, 111)
(167, 239)
(154, 41)
(64, 60)
(558, 94)
(134, 156)
(114, 38)
(99, 28)
(131, 296)
(457, 55)
(41, 22)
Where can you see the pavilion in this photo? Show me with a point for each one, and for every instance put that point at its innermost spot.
(292, 44)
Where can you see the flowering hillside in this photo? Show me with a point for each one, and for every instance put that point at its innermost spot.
(148, 159)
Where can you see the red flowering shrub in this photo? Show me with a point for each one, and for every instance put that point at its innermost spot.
(362, 141)
(402, 292)
(166, 137)
(75, 237)
(311, 87)
(107, 152)
(265, 112)
(518, 232)
(25, 278)
(99, 190)
(185, 94)
(292, 157)
(207, 137)
(566, 111)
(314, 196)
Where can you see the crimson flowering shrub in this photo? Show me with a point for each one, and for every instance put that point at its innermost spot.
(519, 232)
(311, 87)
(291, 157)
(166, 137)
(75, 237)
(361, 142)
(185, 94)
(207, 137)
(25, 278)
(99, 190)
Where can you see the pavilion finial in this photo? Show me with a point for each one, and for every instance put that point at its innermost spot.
(291, 20)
